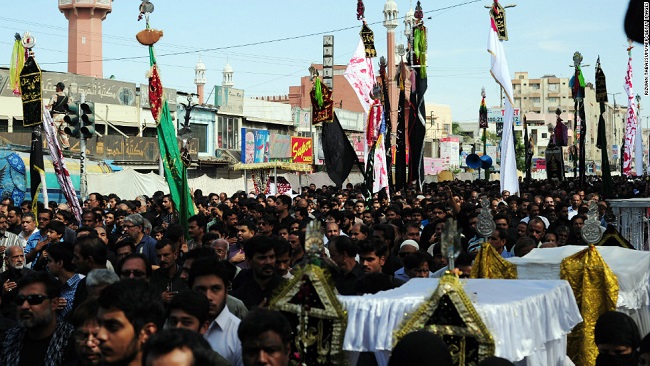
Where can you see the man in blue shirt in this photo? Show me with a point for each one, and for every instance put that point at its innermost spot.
(59, 264)
(134, 226)
(498, 242)
(37, 242)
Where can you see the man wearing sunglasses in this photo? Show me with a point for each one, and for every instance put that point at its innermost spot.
(40, 338)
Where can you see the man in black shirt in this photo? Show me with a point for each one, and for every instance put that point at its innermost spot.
(255, 286)
(39, 339)
(343, 252)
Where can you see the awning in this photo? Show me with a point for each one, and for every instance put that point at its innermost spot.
(296, 167)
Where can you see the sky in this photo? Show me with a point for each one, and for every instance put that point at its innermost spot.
(270, 44)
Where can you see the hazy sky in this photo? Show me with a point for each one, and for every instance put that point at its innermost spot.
(270, 44)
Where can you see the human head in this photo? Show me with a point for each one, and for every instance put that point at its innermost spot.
(130, 312)
(166, 250)
(283, 253)
(196, 253)
(90, 252)
(420, 348)
(44, 218)
(265, 336)
(407, 247)
(84, 320)
(260, 256)
(177, 347)
(372, 255)
(42, 289)
(498, 239)
(135, 266)
(98, 279)
(95, 200)
(210, 277)
(28, 222)
(221, 247)
(536, 229)
(15, 257)
(134, 226)
(189, 310)
(524, 245)
(343, 252)
(416, 265)
(246, 230)
(124, 248)
(617, 337)
(59, 258)
(196, 226)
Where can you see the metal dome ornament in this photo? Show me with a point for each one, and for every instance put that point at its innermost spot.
(485, 225)
(148, 36)
(591, 231)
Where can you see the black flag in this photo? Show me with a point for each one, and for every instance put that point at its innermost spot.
(339, 153)
(36, 166)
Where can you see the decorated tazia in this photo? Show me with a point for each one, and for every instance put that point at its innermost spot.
(449, 313)
(483, 112)
(595, 287)
(310, 304)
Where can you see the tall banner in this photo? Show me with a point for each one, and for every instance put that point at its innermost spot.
(361, 76)
(501, 74)
(175, 171)
(630, 121)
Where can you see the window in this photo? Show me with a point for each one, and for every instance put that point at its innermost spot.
(228, 133)
(544, 135)
(18, 126)
(4, 125)
(553, 100)
(534, 86)
(553, 87)
(200, 133)
(535, 99)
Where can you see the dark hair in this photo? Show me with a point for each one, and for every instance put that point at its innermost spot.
(174, 232)
(258, 244)
(86, 311)
(281, 247)
(345, 245)
(165, 242)
(139, 301)
(371, 283)
(46, 211)
(52, 285)
(56, 226)
(192, 302)
(200, 220)
(285, 200)
(200, 252)
(92, 246)
(249, 224)
(503, 234)
(210, 266)
(62, 251)
(387, 230)
(134, 256)
(166, 341)
(376, 246)
(336, 215)
(126, 242)
(416, 259)
(261, 321)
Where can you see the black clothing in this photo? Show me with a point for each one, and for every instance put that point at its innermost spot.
(345, 282)
(246, 289)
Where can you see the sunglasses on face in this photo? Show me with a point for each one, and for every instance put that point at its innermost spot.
(31, 299)
(136, 273)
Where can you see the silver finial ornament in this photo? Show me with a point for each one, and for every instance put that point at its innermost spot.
(591, 231)
(485, 225)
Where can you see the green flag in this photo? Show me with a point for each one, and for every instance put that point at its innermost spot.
(175, 171)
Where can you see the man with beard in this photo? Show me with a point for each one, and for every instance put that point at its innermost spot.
(166, 280)
(130, 312)
(256, 285)
(39, 339)
(134, 227)
(210, 277)
(8, 238)
(15, 263)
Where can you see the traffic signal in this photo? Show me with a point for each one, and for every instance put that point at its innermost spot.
(88, 119)
(72, 119)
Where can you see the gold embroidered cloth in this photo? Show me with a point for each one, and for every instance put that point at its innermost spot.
(490, 264)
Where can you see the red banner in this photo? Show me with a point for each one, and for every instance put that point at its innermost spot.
(302, 150)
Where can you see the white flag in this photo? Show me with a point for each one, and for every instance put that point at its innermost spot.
(361, 76)
(501, 74)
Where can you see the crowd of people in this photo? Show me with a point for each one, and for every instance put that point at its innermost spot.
(129, 284)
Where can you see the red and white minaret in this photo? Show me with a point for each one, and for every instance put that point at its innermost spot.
(85, 34)
(391, 22)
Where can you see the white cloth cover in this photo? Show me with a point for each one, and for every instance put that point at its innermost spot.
(127, 184)
(527, 319)
(631, 267)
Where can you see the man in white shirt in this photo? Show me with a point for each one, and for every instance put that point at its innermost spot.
(29, 226)
(210, 276)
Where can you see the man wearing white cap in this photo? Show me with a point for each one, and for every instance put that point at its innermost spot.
(408, 246)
